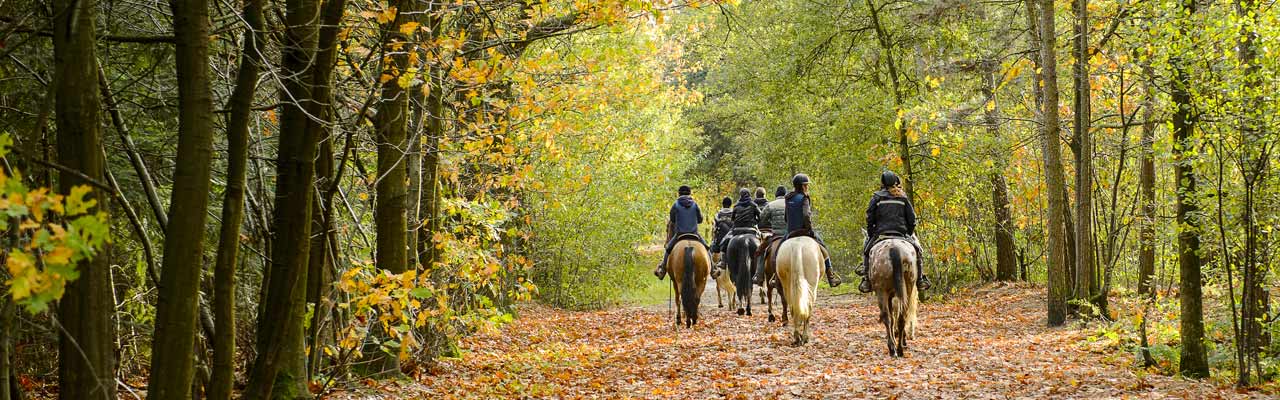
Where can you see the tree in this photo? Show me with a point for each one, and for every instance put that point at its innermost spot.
(1087, 282)
(1147, 186)
(1054, 182)
(1006, 265)
(279, 370)
(224, 286)
(86, 337)
(1193, 361)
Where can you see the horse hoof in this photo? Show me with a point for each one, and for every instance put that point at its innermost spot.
(741, 311)
(748, 312)
(771, 318)
(721, 305)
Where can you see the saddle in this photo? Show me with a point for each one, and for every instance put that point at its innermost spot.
(744, 231)
(768, 245)
(694, 236)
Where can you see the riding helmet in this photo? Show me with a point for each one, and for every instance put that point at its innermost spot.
(780, 191)
(727, 202)
(800, 179)
(889, 179)
(685, 191)
(744, 193)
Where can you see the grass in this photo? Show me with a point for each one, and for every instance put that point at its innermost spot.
(653, 292)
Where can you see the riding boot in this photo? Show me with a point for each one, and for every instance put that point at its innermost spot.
(922, 283)
(832, 278)
(865, 285)
(758, 278)
(661, 271)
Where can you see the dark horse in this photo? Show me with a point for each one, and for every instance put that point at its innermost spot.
(771, 282)
(739, 257)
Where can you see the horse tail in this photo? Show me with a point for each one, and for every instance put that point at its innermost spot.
(801, 287)
(898, 301)
(688, 295)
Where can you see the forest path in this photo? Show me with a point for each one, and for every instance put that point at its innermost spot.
(989, 343)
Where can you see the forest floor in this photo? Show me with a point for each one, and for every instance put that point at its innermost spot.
(985, 343)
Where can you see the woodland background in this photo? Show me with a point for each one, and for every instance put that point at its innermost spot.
(279, 198)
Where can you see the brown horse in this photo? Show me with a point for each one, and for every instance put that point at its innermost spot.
(688, 266)
(771, 282)
(895, 288)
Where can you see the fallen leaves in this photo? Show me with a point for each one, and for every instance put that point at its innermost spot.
(989, 344)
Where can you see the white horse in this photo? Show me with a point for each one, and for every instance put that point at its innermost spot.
(799, 268)
(893, 278)
(724, 285)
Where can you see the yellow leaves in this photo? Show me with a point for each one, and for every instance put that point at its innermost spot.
(408, 28)
(387, 15)
(75, 202)
(271, 116)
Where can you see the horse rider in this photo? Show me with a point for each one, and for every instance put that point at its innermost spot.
(682, 223)
(773, 218)
(723, 223)
(799, 215)
(890, 214)
(760, 200)
(746, 217)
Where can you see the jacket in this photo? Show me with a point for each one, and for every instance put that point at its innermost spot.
(889, 213)
(798, 212)
(774, 216)
(746, 214)
(685, 216)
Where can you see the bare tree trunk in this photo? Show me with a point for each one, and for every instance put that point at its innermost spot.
(1006, 267)
(1054, 181)
(275, 372)
(86, 338)
(1193, 361)
(6, 347)
(241, 103)
(1147, 183)
(1087, 281)
(1254, 159)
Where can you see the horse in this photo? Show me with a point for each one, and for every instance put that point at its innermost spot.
(893, 278)
(740, 257)
(723, 284)
(799, 269)
(771, 282)
(688, 266)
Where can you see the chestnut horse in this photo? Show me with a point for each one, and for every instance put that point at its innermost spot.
(893, 278)
(688, 266)
(771, 282)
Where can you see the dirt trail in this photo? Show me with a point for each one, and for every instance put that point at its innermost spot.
(987, 344)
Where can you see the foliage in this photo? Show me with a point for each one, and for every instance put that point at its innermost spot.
(48, 235)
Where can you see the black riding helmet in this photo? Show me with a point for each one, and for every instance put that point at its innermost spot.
(780, 191)
(685, 191)
(800, 179)
(744, 194)
(889, 179)
(727, 202)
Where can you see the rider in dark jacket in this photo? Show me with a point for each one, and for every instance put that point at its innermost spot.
(746, 217)
(682, 220)
(723, 223)
(799, 220)
(891, 214)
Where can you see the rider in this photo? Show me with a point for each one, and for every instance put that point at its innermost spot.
(799, 223)
(890, 214)
(746, 217)
(683, 220)
(760, 200)
(723, 223)
(773, 218)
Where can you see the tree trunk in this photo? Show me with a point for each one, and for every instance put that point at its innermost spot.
(904, 145)
(1193, 362)
(1147, 183)
(6, 347)
(173, 355)
(1254, 159)
(390, 213)
(1054, 181)
(86, 340)
(241, 103)
(1006, 265)
(1087, 281)
(276, 372)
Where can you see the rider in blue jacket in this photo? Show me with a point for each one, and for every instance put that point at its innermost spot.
(799, 223)
(682, 220)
